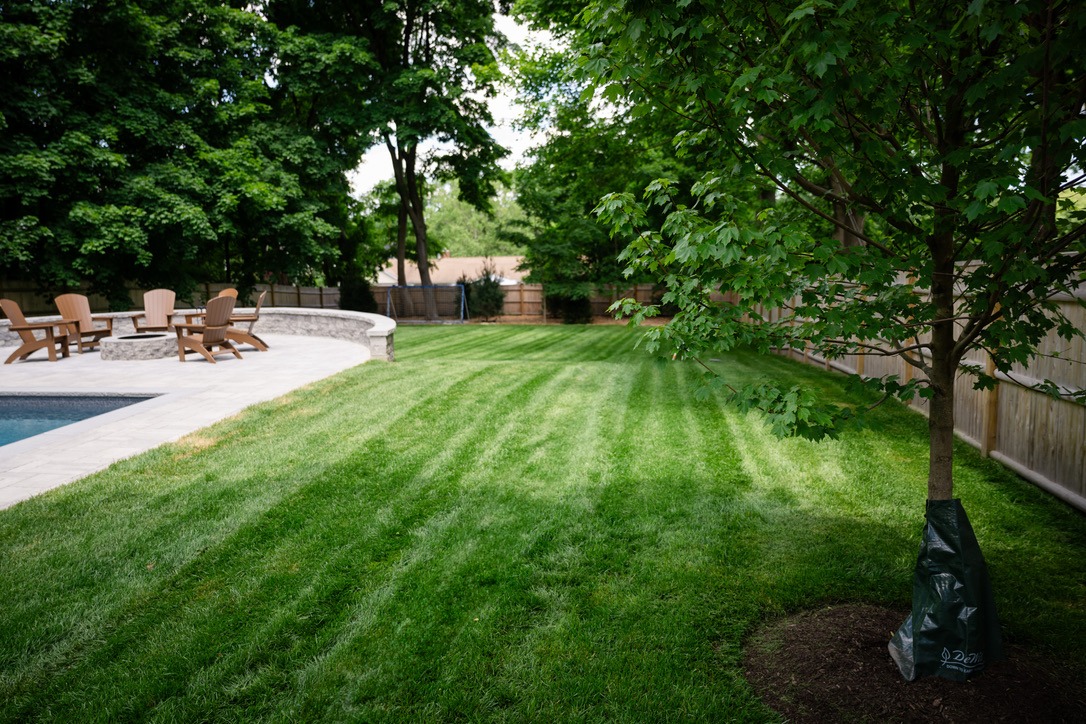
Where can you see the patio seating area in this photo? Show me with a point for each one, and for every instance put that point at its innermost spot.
(308, 345)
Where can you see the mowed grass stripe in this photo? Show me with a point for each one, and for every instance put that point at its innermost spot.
(482, 573)
(228, 496)
(414, 463)
(526, 344)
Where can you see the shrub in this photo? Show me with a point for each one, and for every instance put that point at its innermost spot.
(572, 309)
(484, 295)
(356, 295)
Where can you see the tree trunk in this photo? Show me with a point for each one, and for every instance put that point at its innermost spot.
(406, 304)
(944, 369)
(403, 166)
(418, 221)
(401, 245)
(941, 432)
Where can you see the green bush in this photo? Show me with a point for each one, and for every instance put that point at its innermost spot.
(356, 295)
(572, 309)
(484, 296)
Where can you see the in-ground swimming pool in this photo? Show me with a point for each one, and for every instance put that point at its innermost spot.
(23, 416)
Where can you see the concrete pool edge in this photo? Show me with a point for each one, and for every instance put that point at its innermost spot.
(74, 430)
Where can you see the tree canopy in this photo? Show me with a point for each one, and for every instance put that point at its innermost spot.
(142, 141)
(589, 146)
(937, 144)
(463, 230)
(434, 65)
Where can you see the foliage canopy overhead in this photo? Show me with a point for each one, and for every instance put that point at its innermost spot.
(937, 144)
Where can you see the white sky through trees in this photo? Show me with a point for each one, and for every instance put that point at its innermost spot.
(377, 167)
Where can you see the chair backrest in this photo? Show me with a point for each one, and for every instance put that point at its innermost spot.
(15, 314)
(217, 319)
(158, 307)
(229, 292)
(259, 301)
(77, 307)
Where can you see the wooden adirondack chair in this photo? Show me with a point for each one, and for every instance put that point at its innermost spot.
(209, 338)
(26, 331)
(246, 336)
(76, 307)
(157, 312)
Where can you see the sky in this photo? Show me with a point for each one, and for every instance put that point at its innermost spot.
(376, 165)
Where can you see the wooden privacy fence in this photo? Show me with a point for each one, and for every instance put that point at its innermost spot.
(1041, 438)
(527, 300)
(34, 301)
(521, 300)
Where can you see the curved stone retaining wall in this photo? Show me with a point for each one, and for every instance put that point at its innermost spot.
(372, 331)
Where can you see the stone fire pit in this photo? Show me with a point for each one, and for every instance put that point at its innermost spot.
(151, 345)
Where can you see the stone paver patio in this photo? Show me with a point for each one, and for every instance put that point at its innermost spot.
(194, 395)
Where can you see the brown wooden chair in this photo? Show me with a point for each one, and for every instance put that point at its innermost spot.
(26, 331)
(157, 312)
(246, 336)
(76, 307)
(210, 336)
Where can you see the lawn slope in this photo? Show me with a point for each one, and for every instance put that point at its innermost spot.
(508, 524)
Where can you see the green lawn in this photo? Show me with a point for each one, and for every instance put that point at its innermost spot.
(508, 523)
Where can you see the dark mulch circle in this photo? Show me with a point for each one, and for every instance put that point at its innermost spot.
(832, 665)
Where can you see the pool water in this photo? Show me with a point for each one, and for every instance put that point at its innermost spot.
(23, 416)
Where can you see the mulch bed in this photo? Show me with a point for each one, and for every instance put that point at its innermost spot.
(832, 665)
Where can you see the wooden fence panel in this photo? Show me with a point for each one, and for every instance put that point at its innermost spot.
(1045, 435)
(1039, 437)
(523, 300)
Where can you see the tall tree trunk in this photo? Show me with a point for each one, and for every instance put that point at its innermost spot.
(418, 222)
(406, 301)
(401, 245)
(403, 166)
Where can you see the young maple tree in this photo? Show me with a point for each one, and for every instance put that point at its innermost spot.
(936, 145)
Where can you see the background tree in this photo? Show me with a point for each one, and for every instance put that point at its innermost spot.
(463, 230)
(592, 143)
(435, 65)
(936, 141)
(141, 143)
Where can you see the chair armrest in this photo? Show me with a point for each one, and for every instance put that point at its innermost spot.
(178, 326)
(104, 318)
(58, 323)
(38, 325)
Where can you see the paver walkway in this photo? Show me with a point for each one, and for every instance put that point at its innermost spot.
(196, 394)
